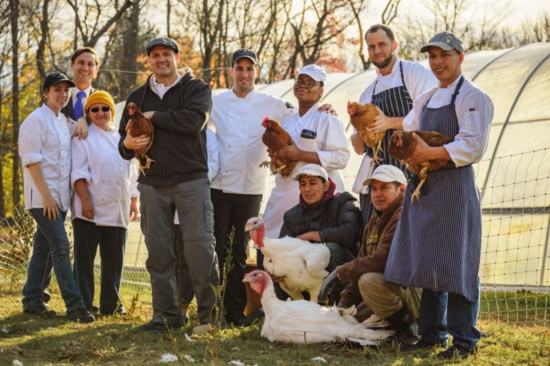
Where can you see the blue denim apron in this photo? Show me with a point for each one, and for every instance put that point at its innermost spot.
(394, 102)
(437, 242)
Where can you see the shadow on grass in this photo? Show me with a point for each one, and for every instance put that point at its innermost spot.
(117, 340)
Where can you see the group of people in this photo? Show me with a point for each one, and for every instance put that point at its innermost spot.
(402, 262)
(84, 173)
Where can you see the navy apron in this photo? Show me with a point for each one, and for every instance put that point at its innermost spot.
(437, 243)
(394, 102)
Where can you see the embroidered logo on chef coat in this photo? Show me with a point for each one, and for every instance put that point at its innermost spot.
(308, 134)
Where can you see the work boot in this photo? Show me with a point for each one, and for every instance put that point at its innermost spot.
(402, 322)
(456, 352)
(237, 318)
(402, 319)
(81, 315)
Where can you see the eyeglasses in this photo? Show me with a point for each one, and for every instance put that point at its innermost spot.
(306, 84)
(96, 109)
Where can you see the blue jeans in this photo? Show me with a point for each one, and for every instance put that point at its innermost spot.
(50, 239)
(442, 312)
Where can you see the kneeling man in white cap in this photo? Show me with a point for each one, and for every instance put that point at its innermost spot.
(396, 304)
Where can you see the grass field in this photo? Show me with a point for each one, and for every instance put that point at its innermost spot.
(118, 341)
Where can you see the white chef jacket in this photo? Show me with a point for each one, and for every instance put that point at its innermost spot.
(330, 143)
(238, 123)
(111, 180)
(474, 110)
(418, 79)
(213, 149)
(46, 139)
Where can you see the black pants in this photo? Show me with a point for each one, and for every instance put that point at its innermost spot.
(231, 211)
(111, 241)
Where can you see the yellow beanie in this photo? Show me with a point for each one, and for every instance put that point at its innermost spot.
(101, 97)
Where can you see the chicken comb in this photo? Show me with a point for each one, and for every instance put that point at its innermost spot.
(265, 119)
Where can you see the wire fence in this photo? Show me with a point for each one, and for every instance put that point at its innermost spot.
(514, 271)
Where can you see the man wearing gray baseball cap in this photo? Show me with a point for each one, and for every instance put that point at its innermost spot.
(446, 41)
(437, 243)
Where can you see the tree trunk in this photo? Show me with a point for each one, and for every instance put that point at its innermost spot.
(2, 155)
(14, 18)
(130, 54)
(168, 12)
(45, 33)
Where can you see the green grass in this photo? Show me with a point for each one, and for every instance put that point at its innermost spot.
(118, 341)
(522, 306)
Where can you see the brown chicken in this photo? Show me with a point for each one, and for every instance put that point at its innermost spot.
(403, 145)
(362, 117)
(275, 138)
(139, 125)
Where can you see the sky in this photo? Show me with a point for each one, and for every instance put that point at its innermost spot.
(517, 10)
(528, 9)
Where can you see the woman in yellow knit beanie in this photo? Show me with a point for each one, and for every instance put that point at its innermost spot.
(100, 98)
(104, 203)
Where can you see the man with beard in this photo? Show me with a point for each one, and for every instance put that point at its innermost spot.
(397, 85)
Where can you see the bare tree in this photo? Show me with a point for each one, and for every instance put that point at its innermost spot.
(129, 50)
(126, 44)
(210, 19)
(92, 26)
(539, 30)
(388, 15)
(168, 14)
(44, 35)
(14, 21)
(477, 28)
(260, 26)
(4, 142)
(310, 38)
(278, 38)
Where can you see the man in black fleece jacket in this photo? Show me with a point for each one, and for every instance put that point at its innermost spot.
(178, 107)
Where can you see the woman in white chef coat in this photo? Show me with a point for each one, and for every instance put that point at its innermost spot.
(319, 138)
(45, 150)
(105, 202)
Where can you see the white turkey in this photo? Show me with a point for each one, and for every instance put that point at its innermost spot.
(305, 322)
(300, 263)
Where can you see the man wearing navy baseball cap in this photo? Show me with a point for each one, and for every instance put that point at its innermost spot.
(437, 244)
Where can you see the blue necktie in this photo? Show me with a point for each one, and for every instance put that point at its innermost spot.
(78, 107)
